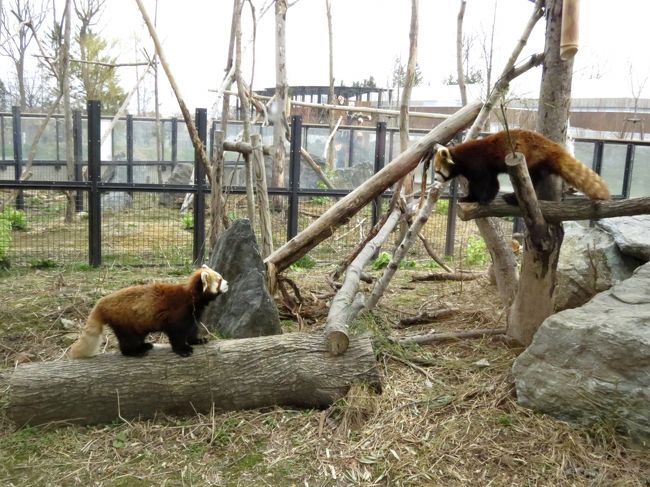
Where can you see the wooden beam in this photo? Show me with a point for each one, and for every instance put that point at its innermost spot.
(558, 211)
(348, 108)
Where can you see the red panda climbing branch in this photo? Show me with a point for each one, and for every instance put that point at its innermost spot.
(480, 161)
(134, 312)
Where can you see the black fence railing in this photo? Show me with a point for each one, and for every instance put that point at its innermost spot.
(624, 164)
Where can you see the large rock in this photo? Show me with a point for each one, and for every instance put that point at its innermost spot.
(116, 200)
(247, 309)
(632, 234)
(593, 363)
(181, 174)
(590, 262)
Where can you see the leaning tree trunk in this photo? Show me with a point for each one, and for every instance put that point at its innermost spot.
(282, 370)
(337, 215)
(534, 299)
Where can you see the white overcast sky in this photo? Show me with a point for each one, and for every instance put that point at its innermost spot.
(369, 35)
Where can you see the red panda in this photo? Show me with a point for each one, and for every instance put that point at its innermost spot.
(481, 160)
(134, 312)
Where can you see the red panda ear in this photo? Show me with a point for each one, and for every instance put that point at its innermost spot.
(444, 155)
(204, 280)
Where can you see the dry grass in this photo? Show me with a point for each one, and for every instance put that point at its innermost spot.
(453, 421)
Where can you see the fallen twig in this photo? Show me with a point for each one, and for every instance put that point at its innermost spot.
(426, 317)
(458, 335)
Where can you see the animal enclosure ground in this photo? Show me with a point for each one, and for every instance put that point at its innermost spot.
(447, 414)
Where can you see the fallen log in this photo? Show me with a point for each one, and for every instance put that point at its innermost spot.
(447, 276)
(426, 317)
(294, 369)
(458, 335)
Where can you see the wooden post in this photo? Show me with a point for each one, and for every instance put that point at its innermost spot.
(257, 159)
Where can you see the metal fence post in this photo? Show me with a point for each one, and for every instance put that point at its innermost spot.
(629, 167)
(94, 175)
(198, 244)
(451, 218)
(380, 159)
(77, 148)
(18, 153)
(129, 149)
(294, 175)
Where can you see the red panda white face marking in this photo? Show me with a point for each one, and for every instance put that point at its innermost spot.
(441, 165)
(212, 281)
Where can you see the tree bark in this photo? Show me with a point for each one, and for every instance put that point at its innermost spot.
(504, 263)
(349, 205)
(282, 370)
(257, 161)
(67, 109)
(217, 206)
(534, 300)
(331, 98)
(459, 335)
(406, 93)
(411, 236)
(558, 211)
(340, 314)
(459, 53)
(280, 123)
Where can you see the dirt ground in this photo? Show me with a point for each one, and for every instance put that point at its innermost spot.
(447, 414)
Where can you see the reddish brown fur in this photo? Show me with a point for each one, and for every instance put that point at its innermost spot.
(136, 311)
(481, 160)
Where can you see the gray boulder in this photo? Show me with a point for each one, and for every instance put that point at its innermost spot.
(590, 262)
(116, 200)
(247, 309)
(593, 363)
(631, 233)
(181, 174)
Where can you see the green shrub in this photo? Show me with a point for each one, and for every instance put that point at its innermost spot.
(5, 240)
(188, 221)
(442, 207)
(305, 262)
(382, 260)
(15, 217)
(476, 252)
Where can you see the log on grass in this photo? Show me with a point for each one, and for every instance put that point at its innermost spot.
(349, 205)
(294, 369)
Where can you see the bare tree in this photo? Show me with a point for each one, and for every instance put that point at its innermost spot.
(279, 116)
(534, 299)
(64, 71)
(459, 53)
(19, 21)
(331, 97)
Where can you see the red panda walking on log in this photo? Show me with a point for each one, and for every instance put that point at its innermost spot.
(134, 312)
(480, 161)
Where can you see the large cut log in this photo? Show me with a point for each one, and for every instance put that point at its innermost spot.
(294, 369)
(345, 208)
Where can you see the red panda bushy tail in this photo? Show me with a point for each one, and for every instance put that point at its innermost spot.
(582, 178)
(87, 345)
